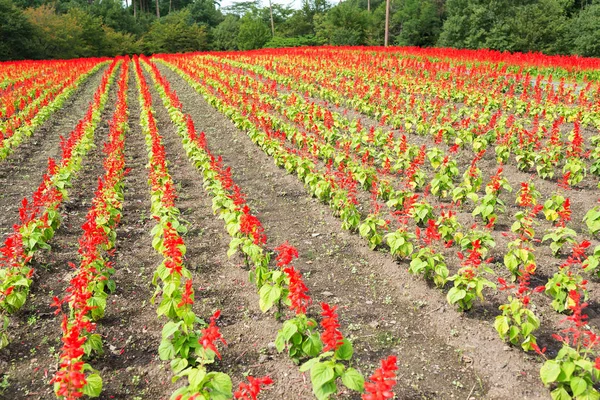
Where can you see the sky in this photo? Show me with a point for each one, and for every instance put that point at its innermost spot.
(293, 3)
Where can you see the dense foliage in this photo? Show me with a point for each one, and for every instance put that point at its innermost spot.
(41, 29)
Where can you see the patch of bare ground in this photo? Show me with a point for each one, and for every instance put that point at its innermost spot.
(442, 353)
(221, 283)
(22, 171)
(32, 358)
(131, 332)
(582, 198)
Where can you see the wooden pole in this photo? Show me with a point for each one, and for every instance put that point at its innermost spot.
(387, 21)
(272, 23)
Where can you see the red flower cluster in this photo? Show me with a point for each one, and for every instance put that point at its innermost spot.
(331, 337)
(173, 254)
(286, 253)
(431, 232)
(188, 295)
(251, 226)
(494, 184)
(211, 335)
(250, 390)
(578, 334)
(297, 296)
(564, 213)
(382, 381)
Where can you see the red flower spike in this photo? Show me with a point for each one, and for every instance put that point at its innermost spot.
(382, 381)
(298, 297)
(211, 335)
(331, 337)
(286, 253)
(187, 297)
(250, 390)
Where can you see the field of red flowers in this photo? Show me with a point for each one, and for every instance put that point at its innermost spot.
(330, 223)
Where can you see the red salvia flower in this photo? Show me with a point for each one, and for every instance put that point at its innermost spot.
(188, 295)
(331, 336)
(298, 297)
(286, 253)
(251, 226)
(382, 381)
(211, 335)
(250, 390)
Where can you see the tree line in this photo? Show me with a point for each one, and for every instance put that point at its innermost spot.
(46, 29)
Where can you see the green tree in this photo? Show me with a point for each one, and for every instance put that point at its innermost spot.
(175, 33)
(205, 12)
(468, 25)
(540, 26)
(513, 25)
(226, 33)
(242, 8)
(585, 31)
(114, 15)
(344, 24)
(61, 36)
(296, 25)
(253, 33)
(16, 33)
(120, 43)
(418, 23)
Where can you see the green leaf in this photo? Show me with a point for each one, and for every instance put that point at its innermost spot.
(455, 295)
(560, 394)
(166, 351)
(178, 365)
(288, 330)
(93, 342)
(308, 365)
(221, 383)
(578, 385)
(279, 342)
(323, 392)
(321, 373)
(345, 351)
(268, 296)
(549, 371)
(312, 345)
(93, 387)
(352, 379)
(170, 328)
(195, 377)
(501, 325)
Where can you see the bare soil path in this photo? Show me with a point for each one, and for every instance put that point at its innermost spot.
(443, 355)
(22, 171)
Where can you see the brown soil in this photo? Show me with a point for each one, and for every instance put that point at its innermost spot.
(377, 308)
(442, 353)
(22, 171)
(32, 358)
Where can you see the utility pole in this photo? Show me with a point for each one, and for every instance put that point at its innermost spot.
(272, 23)
(369, 5)
(387, 21)
(158, 11)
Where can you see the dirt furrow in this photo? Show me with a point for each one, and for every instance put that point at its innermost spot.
(22, 171)
(130, 331)
(443, 354)
(221, 283)
(32, 358)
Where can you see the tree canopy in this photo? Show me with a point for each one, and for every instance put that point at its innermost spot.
(40, 29)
